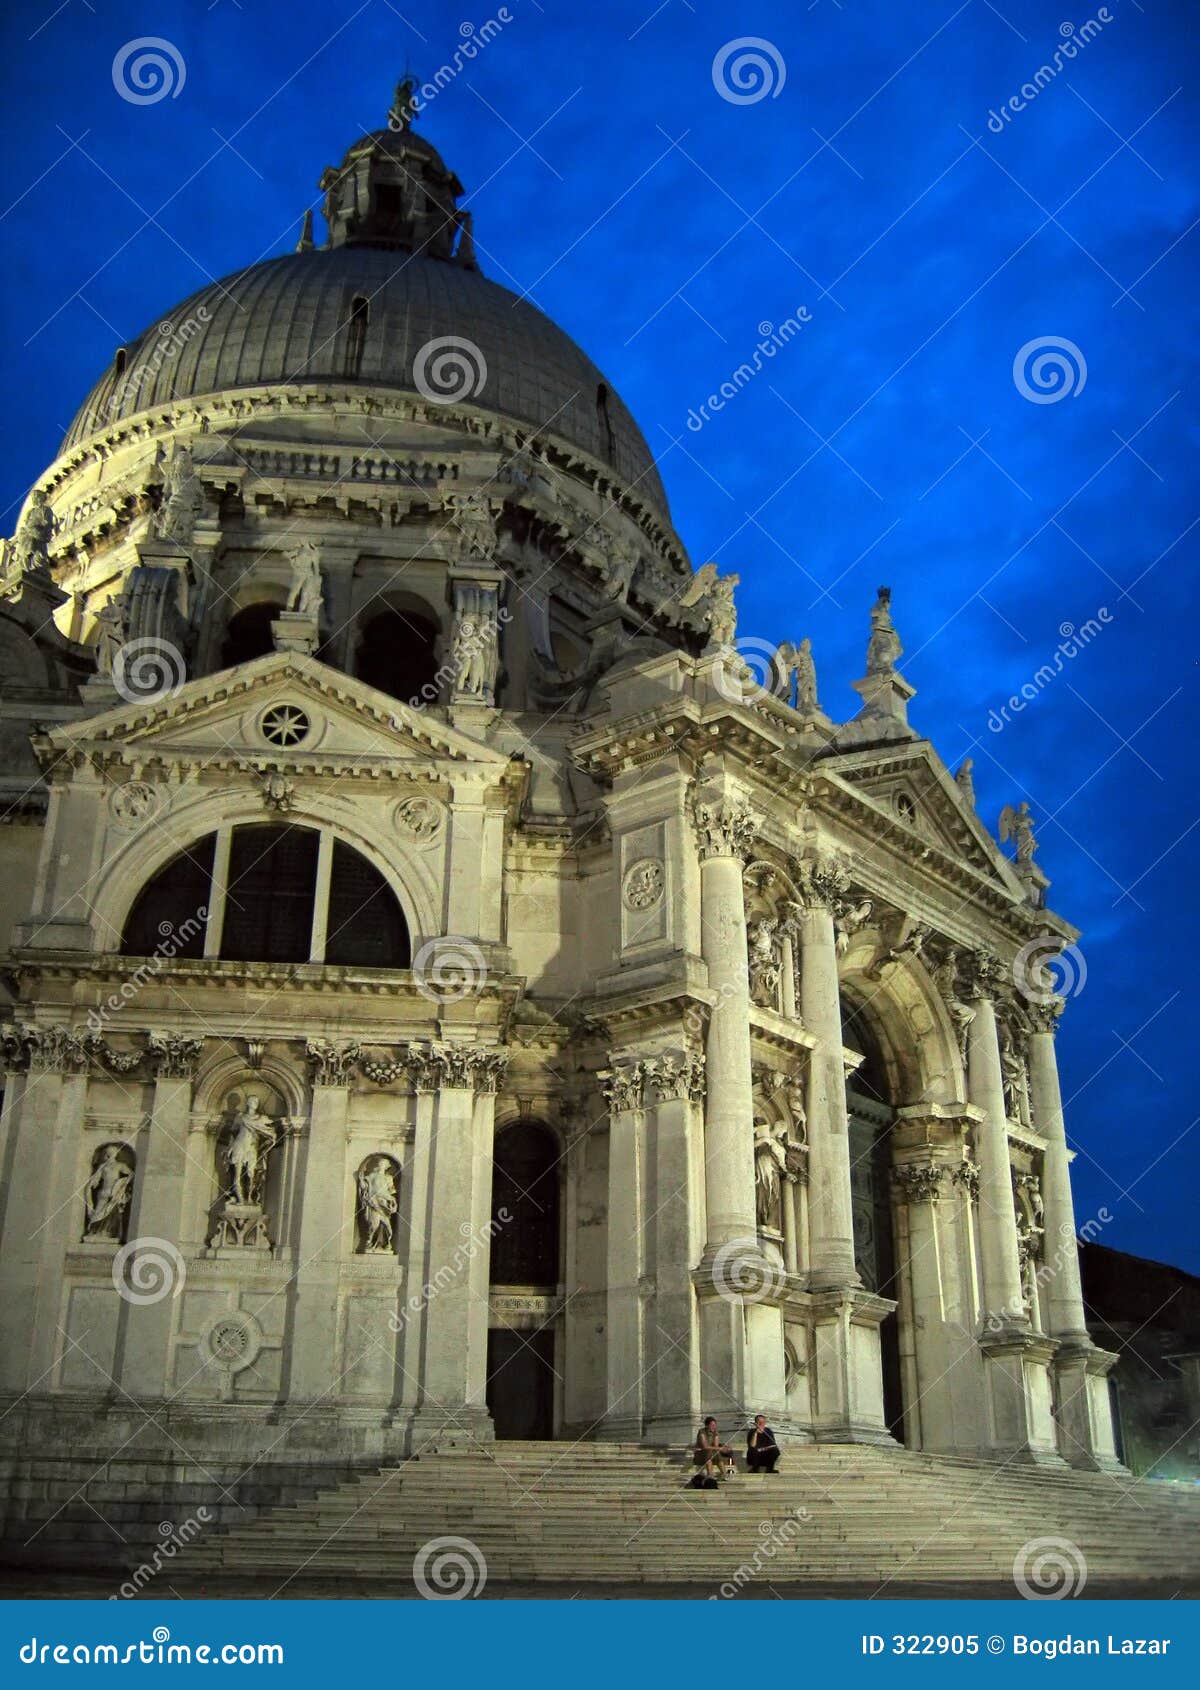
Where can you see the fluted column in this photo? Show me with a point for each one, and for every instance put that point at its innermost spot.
(831, 1220)
(726, 833)
(1003, 1306)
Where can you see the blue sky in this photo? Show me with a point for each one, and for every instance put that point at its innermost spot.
(661, 224)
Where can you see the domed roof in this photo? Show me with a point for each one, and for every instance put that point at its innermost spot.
(289, 320)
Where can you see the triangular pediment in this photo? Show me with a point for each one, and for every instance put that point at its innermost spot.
(284, 708)
(912, 787)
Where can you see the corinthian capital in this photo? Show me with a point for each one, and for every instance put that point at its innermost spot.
(330, 1064)
(822, 880)
(173, 1056)
(724, 830)
(980, 972)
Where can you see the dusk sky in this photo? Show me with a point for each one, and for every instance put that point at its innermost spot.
(871, 182)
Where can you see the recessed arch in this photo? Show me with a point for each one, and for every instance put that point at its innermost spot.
(248, 633)
(396, 648)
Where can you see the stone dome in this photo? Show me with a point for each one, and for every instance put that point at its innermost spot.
(291, 320)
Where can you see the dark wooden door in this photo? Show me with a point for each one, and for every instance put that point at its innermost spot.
(520, 1384)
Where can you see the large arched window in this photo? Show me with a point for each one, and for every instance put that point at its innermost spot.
(397, 652)
(270, 893)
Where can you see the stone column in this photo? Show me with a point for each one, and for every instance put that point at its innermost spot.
(831, 1223)
(454, 1269)
(1084, 1405)
(733, 1270)
(726, 834)
(324, 1236)
(1019, 1421)
(674, 1094)
(1003, 1304)
(623, 1083)
(42, 1215)
(156, 1221)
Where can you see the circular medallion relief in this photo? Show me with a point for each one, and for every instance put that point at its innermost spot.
(284, 725)
(132, 802)
(419, 819)
(644, 884)
(233, 1341)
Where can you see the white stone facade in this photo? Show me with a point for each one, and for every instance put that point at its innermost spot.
(647, 905)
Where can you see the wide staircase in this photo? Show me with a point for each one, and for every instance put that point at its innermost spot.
(620, 1512)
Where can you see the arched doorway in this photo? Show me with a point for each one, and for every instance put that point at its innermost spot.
(871, 1114)
(525, 1275)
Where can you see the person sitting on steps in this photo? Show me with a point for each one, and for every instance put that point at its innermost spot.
(762, 1452)
(708, 1454)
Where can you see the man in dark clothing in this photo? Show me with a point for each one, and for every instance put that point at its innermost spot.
(762, 1452)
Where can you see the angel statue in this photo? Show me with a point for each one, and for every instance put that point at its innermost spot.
(770, 1161)
(846, 922)
(1017, 825)
(716, 592)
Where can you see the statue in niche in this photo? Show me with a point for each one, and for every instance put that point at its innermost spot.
(883, 647)
(251, 1138)
(945, 978)
(182, 500)
(377, 1204)
(304, 589)
(770, 1162)
(475, 656)
(765, 970)
(107, 1193)
(1012, 1068)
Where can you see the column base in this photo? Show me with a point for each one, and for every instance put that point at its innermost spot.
(431, 1430)
(671, 1431)
(1018, 1399)
(1084, 1409)
(620, 1429)
(845, 1366)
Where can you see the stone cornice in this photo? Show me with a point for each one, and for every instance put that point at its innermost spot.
(422, 1066)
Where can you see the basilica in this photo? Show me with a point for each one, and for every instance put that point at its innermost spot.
(457, 989)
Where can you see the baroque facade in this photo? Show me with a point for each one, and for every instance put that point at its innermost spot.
(452, 993)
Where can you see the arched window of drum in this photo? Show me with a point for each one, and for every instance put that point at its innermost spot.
(366, 926)
(525, 1201)
(119, 359)
(356, 335)
(169, 915)
(248, 634)
(606, 428)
